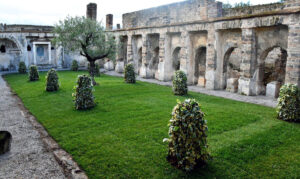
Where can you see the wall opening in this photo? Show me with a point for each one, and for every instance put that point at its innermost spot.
(28, 48)
(2, 49)
(200, 66)
(231, 69)
(176, 59)
(272, 69)
(5, 142)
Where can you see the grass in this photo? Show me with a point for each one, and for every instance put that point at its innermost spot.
(122, 136)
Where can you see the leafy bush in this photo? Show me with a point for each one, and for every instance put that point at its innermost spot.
(33, 73)
(52, 81)
(74, 66)
(83, 95)
(22, 67)
(129, 74)
(97, 69)
(187, 136)
(180, 83)
(288, 107)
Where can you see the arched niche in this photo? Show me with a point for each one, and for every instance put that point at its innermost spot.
(200, 66)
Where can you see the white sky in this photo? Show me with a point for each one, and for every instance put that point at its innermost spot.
(49, 12)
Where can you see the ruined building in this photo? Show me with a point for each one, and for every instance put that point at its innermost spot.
(251, 50)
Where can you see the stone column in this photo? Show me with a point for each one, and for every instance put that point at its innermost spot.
(184, 60)
(293, 60)
(247, 85)
(129, 50)
(144, 71)
(210, 73)
(162, 52)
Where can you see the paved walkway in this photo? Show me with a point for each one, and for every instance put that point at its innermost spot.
(28, 157)
(261, 100)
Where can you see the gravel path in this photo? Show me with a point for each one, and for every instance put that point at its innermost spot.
(28, 157)
(261, 100)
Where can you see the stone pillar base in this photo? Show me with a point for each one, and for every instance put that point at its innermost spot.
(232, 85)
(201, 81)
(119, 67)
(273, 89)
(210, 80)
(109, 65)
(246, 86)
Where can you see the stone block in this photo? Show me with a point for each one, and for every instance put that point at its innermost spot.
(201, 81)
(246, 86)
(232, 85)
(119, 67)
(273, 89)
(109, 65)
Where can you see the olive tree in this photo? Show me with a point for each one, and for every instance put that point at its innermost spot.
(86, 36)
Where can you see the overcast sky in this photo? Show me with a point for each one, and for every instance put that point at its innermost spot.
(41, 12)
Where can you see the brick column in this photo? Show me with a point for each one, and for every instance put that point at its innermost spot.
(293, 60)
(246, 83)
(210, 73)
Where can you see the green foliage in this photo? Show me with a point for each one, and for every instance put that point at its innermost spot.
(288, 107)
(33, 73)
(22, 67)
(129, 74)
(74, 66)
(86, 36)
(180, 83)
(187, 136)
(52, 81)
(96, 69)
(83, 95)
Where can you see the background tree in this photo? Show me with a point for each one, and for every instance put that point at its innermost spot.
(87, 37)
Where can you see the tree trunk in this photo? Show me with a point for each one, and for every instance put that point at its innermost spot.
(92, 71)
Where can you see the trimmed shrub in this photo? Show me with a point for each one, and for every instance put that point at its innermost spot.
(52, 81)
(288, 107)
(22, 67)
(187, 136)
(97, 69)
(74, 66)
(180, 83)
(33, 73)
(83, 95)
(129, 74)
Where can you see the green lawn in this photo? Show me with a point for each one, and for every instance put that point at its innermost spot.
(122, 136)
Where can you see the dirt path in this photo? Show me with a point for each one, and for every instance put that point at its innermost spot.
(28, 157)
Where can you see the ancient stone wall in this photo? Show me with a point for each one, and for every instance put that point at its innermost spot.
(190, 10)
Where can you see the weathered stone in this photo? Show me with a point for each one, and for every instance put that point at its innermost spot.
(273, 89)
(119, 67)
(232, 85)
(201, 82)
(109, 65)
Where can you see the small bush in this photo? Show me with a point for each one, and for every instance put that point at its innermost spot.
(83, 95)
(129, 74)
(288, 107)
(74, 66)
(33, 73)
(180, 83)
(187, 136)
(97, 69)
(22, 67)
(52, 81)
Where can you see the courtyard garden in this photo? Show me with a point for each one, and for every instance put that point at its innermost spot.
(122, 136)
